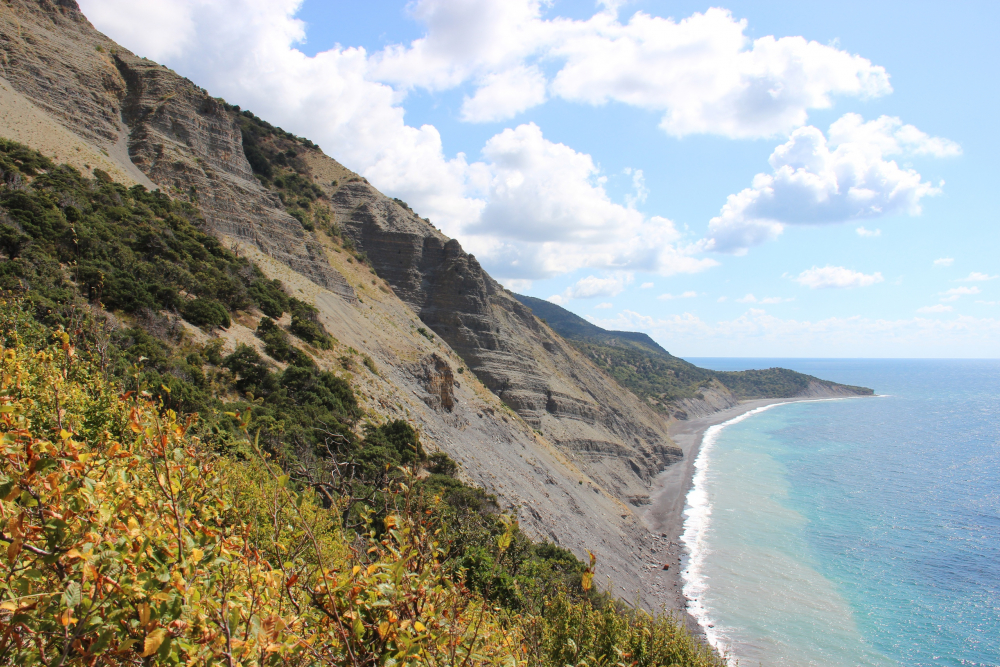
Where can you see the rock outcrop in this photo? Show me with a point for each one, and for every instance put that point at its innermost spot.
(608, 432)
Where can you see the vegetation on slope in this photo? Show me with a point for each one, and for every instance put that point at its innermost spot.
(142, 525)
(129, 542)
(639, 364)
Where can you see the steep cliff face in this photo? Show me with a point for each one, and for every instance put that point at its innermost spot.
(609, 433)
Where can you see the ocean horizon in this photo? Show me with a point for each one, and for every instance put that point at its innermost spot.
(853, 531)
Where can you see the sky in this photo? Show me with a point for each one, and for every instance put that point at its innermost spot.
(779, 179)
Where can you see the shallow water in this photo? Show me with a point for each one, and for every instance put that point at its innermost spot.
(854, 532)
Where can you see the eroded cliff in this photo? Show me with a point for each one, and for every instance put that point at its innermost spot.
(534, 421)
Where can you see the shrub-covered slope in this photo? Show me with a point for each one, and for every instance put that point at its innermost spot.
(128, 541)
(637, 362)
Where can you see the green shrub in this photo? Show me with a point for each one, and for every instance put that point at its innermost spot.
(306, 324)
(206, 313)
(269, 296)
(439, 463)
(396, 437)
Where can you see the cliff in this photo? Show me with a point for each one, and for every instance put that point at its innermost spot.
(540, 421)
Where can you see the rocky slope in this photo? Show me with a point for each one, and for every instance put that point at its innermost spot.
(534, 422)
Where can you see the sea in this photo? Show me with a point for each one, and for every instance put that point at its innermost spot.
(860, 531)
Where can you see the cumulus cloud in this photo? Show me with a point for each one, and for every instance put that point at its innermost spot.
(943, 262)
(868, 233)
(646, 286)
(976, 277)
(836, 276)
(936, 308)
(547, 213)
(819, 179)
(702, 72)
(593, 286)
(685, 295)
(956, 293)
(758, 333)
(705, 74)
(503, 95)
(602, 306)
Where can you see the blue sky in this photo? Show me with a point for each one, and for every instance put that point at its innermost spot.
(520, 128)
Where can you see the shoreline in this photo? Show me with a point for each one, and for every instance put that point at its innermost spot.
(665, 514)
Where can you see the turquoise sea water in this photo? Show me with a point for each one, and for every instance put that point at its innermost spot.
(854, 532)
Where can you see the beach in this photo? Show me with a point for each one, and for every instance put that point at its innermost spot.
(665, 514)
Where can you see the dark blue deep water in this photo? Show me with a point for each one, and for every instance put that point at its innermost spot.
(879, 518)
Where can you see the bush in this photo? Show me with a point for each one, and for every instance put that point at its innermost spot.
(398, 438)
(198, 560)
(306, 324)
(440, 463)
(206, 313)
(269, 296)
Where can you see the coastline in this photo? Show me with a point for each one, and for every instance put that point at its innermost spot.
(665, 513)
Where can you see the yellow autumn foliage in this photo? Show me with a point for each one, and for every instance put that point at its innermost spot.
(126, 543)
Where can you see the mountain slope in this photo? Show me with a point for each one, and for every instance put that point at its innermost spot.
(671, 384)
(534, 422)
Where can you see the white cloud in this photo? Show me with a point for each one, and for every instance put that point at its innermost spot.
(936, 308)
(685, 295)
(957, 292)
(705, 74)
(640, 191)
(646, 286)
(757, 333)
(702, 72)
(517, 284)
(868, 233)
(943, 262)
(164, 30)
(722, 299)
(976, 277)
(547, 213)
(890, 136)
(836, 276)
(593, 286)
(989, 303)
(820, 180)
(602, 306)
(505, 94)
(750, 298)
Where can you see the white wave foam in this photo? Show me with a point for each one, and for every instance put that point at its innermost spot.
(697, 524)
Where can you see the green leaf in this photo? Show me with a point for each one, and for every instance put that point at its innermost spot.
(72, 595)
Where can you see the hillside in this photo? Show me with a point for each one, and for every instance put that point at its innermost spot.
(221, 266)
(129, 541)
(376, 297)
(671, 384)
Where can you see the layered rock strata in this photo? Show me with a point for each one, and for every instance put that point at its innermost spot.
(608, 432)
